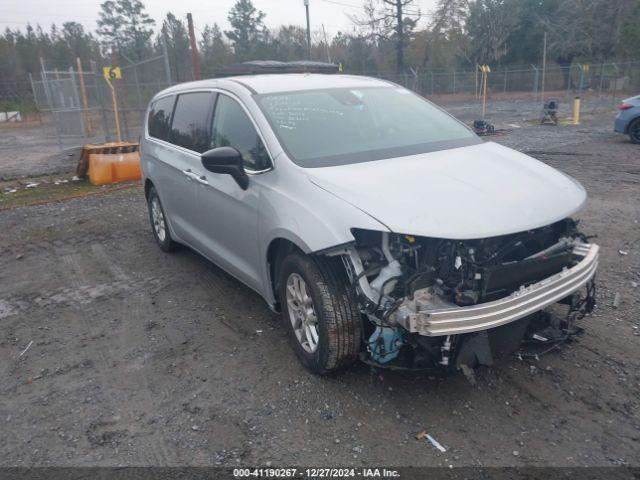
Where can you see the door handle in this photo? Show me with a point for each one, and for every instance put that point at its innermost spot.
(194, 176)
(189, 174)
(202, 179)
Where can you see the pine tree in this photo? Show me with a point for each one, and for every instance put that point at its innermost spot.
(215, 52)
(174, 32)
(247, 29)
(125, 26)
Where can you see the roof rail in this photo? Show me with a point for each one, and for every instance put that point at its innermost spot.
(256, 67)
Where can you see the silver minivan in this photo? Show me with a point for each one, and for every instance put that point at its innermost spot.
(380, 226)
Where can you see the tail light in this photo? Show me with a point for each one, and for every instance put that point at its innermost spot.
(625, 106)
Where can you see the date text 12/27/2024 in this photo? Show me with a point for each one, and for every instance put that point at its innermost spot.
(312, 473)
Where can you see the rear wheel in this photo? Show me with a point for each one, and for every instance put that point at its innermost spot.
(319, 312)
(634, 131)
(159, 222)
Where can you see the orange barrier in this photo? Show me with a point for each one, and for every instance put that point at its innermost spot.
(114, 168)
(110, 163)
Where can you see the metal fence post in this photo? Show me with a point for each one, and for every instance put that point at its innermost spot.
(432, 86)
(33, 89)
(535, 82)
(167, 66)
(615, 81)
(581, 67)
(49, 97)
(505, 79)
(454, 82)
(135, 79)
(76, 99)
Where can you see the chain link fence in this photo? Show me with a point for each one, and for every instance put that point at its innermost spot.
(586, 80)
(75, 106)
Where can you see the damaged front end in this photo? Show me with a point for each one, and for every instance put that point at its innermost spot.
(441, 305)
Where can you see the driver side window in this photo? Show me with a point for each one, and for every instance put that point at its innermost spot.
(232, 128)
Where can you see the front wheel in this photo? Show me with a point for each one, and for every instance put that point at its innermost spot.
(634, 131)
(320, 312)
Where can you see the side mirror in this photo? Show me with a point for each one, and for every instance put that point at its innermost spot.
(226, 160)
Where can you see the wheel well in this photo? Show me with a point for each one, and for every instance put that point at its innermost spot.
(147, 186)
(278, 249)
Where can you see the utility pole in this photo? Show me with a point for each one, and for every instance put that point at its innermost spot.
(167, 65)
(195, 58)
(326, 44)
(400, 40)
(544, 62)
(306, 6)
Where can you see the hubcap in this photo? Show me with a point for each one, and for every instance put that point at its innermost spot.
(157, 217)
(302, 313)
(635, 131)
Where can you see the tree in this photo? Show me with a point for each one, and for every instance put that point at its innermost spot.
(289, 43)
(489, 24)
(390, 20)
(247, 29)
(124, 25)
(77, 42)
(174, 33)
(447, 39)
(215, 52)
(630, 33)
(594, 34)
(449, 17)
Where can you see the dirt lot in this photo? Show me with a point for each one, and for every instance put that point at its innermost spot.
(145, 358)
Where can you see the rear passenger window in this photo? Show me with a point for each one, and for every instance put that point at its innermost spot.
(159, 121)
(232, 128)
(190, 125)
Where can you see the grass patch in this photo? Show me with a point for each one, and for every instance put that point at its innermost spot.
(50, 192)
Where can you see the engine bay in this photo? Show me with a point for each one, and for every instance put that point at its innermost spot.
(403, 281)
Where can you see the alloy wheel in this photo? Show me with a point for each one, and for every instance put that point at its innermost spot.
(635, 131)
(157, 217)
(302, 313)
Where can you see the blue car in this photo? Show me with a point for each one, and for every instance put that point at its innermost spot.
(628, 120)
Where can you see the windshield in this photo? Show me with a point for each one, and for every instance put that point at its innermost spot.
(338, 126)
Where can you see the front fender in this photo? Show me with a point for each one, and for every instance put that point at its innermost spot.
(313, 219)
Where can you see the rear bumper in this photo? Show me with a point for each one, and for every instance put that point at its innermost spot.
(527, 300)
(620, 124)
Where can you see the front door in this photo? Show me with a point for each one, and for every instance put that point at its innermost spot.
(228, 215)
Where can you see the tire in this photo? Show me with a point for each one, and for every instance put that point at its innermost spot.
(158, 221)
(334, 313)
(634, 131)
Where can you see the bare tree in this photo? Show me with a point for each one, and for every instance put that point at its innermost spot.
(489, 25)
(390, 20)
(448, 28)
(449, 17)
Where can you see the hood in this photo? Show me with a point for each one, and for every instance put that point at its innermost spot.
(471, 192)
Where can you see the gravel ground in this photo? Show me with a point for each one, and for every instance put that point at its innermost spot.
(136, 357)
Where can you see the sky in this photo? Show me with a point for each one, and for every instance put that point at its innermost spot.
(332, 13)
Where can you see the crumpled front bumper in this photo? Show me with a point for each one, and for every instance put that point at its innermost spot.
(430, 319)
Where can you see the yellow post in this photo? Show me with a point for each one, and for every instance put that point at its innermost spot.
(83, 94)
(114, 99)
(576, 111)
(485, 81)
